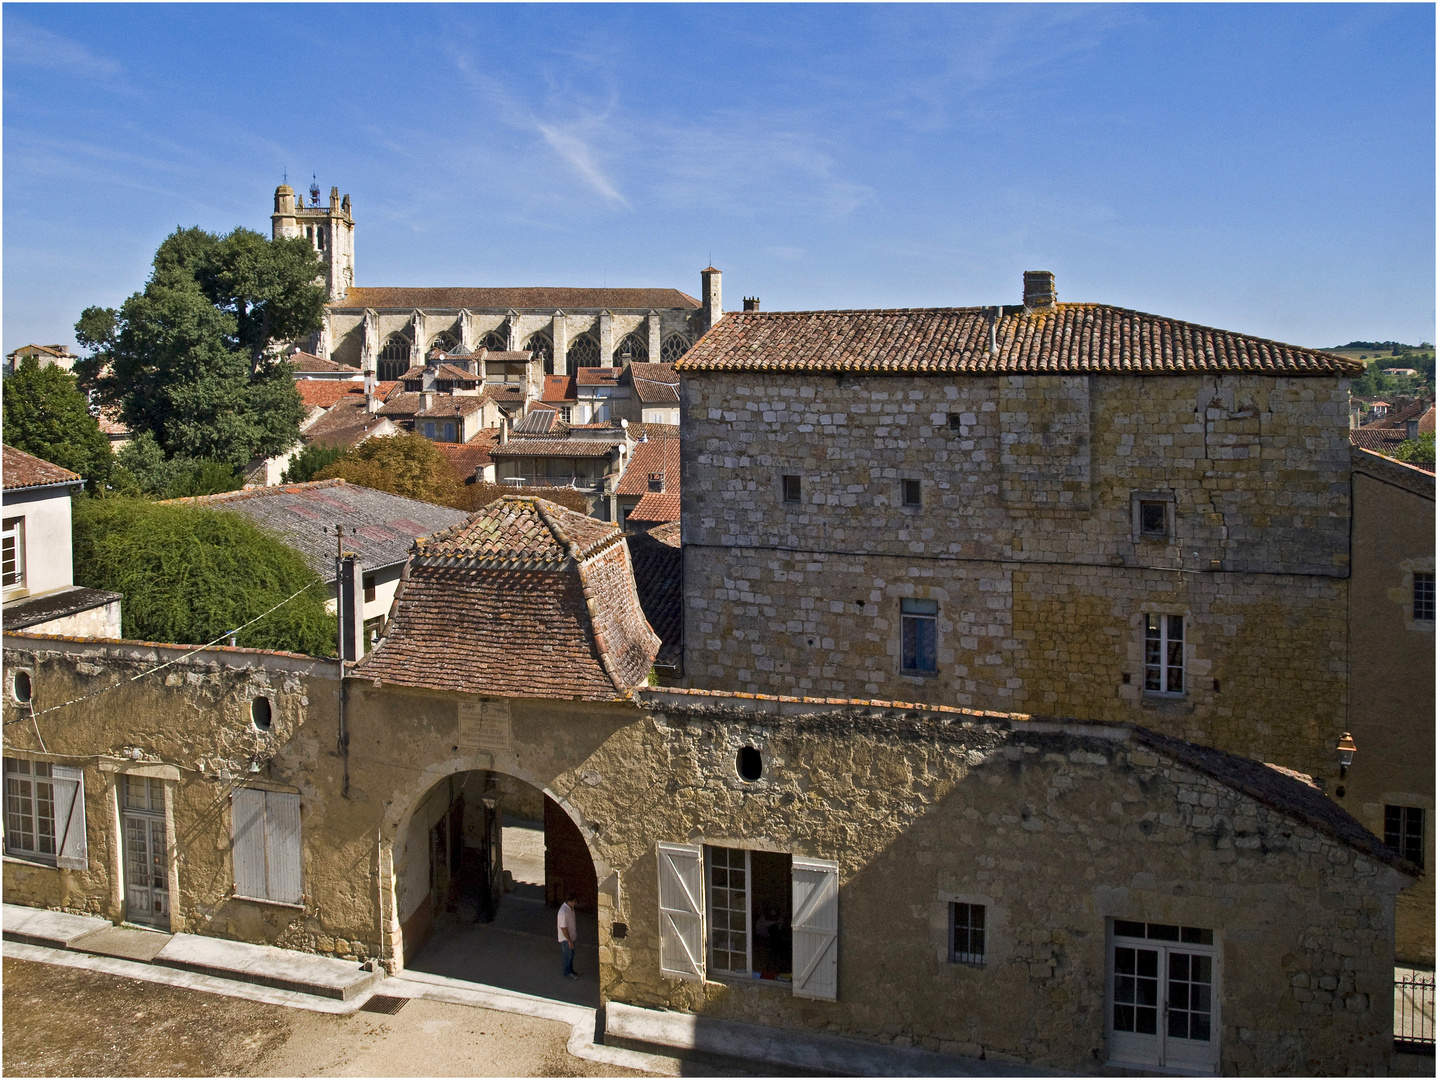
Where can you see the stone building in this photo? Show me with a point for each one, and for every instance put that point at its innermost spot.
(390, 330)
(1068, 509)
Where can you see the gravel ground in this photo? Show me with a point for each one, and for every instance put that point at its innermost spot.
(70, 1022)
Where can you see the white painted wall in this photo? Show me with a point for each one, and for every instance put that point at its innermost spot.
(49, 564)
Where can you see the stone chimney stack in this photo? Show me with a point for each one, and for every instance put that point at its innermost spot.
(371, 400)
(1410, 429)
(751, 303)
(1039, 292)
(711, 293)
(503, 430)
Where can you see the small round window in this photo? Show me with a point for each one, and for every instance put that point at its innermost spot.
(260, 713)
(751, 764)
(21, 688)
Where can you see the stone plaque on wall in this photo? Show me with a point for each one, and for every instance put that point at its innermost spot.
(484, 723)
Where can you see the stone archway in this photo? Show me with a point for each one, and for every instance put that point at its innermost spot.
(454, 901)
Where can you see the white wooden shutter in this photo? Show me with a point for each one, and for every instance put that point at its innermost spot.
(816, 928)
(71, 850)
(681, 911)
(282, 847)
(247, 809)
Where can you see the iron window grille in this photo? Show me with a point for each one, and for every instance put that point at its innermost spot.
(913, 493)
(793, 489)
(1163, 654)
(1422, 597)
(1153, 519)
(919, 624)
(966, 934)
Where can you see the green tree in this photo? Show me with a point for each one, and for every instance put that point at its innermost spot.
(189, 574)
(408, 465)
(141, 468)
(47, 415)
(1417, 451)
(310, 460)
(191, 359)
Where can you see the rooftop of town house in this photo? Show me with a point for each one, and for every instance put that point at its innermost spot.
(540, 421)
(658, 569)
(466, 457)
(1398, 418)
(450, 405)
(524, 599)
(655, 506)
(655, 384)
(1060, 339)
(24, 470)
(346, 423)
(325, 393)
(309, 362)
(565, 445)
(597, 376)
(34, 610)
(668, 533)
(651, 457)
(559, 389)
(60, 351)
(541, 298)
(378, 526)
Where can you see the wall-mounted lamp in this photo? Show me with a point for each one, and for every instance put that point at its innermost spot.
(1346, 749)
(254, 765)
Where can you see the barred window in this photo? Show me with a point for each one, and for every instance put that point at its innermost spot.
(1422, 597)
(966, 938)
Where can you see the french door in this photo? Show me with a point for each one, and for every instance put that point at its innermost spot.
(1163, 997)
(147, 862)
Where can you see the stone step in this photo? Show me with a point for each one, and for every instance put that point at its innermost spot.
(55, 929)
(265, 965)
(123, 942)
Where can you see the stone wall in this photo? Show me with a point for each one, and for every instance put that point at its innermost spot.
(1026, 534)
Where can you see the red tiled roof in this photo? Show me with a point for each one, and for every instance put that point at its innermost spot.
(455, 374)
(1379, 440)
(532, 446)
(346, 423)
(559, 388)
(538, 298)
(654, 456)
(656, 506)
(598, 376)
(1399, 418)
(655, 384)
(1069, 338)
(453, 405)
(1425, 422)
(658, 570)
(322, 393)
(505, 356)
(524, 599)
(303, 361)
(668, 533)
(24, 470)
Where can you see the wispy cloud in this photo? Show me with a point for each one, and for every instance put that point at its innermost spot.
(578, 152)
(29, 46)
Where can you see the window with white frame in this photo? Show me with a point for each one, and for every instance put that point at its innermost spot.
(13, 574)
(919, 627)
(1423, 597)
(1163, 654)
(266, 845)
(749, 915)
(45, 813)
(1163, 995)
(966, 933)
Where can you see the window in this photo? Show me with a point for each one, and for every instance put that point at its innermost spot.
(566, 413)
(266, 845)
(45, 813)
(14, 553)
(919, 624)
(966, 933)
(1403, 831)
(494, 341)
(750, 915)
(22, 688)
(632, 350)
(261, 715)
(449, 432)
(1163, 996)
(1422, 596)
(675, 346)
(1163, 654)
(913, 493)
(583, 352)
(543, 350)
(393, 359)
(956, 422)
(369, 589)
(428, 430)
(793, 489)
(1152, 519)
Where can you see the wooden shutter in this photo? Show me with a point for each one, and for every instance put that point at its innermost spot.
(681, 911)
(247, 809)
(282, 847)
(816, 928)
(71, 850)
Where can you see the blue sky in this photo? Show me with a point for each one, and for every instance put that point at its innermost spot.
(1263, 168)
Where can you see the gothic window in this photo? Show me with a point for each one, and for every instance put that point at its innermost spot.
(543, 348)
(444, 342)
(494, 341)
(632, 350)
(675, 346)
(584, 352)
(393, 358)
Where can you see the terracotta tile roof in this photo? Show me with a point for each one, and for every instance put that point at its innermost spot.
(1425, 422)
(655, 384)
(347, 423)
(668, 533)
(598, 376)
(61, 351)
(537, 446)
(546, 300)
(110, 423)
(504, 393)
(505, 356)
(1070, 338)
(524, 599)
(453, 405)
(559, 388)
(655, 456)
(1379, 440)
(303, 361)
(656, 506)
(323, 393)
(1398, 418)
(467, 457)
(380, 527)
(654, 431)
(24, 470)
(455, 374)
(658, 570)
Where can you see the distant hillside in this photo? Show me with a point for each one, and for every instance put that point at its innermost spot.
(1383, 356)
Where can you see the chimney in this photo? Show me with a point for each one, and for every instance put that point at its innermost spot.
(349, 606)
(1039, 293)
(503, 430)
(426, 399)
(371, 401)
(711, 292)
(751, 303)
(1410, 429)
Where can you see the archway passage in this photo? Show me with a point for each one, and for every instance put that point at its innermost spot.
(481, 871)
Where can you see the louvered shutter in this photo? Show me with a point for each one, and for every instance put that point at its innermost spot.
(282, 847)
(816, 928)
(247, 808)
(72, 852)
(681, 911)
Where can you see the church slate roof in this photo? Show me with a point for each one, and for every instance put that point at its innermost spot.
(534, 299)
(24, 470)
(523, 599)
(1078, 339)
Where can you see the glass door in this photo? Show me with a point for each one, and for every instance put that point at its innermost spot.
(147, 862)
(1163, 983)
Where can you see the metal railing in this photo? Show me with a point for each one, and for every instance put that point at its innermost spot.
(1412, 1011)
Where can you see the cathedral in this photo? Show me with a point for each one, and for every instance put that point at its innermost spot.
(388, 330)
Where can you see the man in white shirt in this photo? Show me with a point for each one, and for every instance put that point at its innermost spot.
(568, 934)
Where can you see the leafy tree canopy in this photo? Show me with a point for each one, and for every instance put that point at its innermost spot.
(141, 468)
(191, 359)
(1417, 451)
(310, 460)
(408, 465)
(189, 574)
(47, 415)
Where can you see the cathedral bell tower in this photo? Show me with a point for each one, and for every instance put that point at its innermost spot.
(331, 229)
